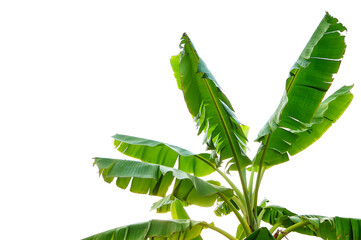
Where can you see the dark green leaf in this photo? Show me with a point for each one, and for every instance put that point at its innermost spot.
(260, 234)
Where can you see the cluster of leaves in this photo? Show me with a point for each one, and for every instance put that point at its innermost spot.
(174, 173)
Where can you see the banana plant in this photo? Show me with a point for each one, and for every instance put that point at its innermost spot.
(175, 174)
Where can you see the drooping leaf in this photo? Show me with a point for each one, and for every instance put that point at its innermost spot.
(240, 232)
(329, 111)
(156, 179)
(209, 107)
(164, 154)
(223, 209)
(260, 234)
(164, 204)
(182, 229)
(309, 80)
(177, 210)
(328, 228)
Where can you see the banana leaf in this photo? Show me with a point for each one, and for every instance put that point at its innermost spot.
(182, 229)
(208, 105)
(308, 81)
(329, 111)
(178, 212)
(164, 154)
(164, 205)
(223, 209)
(328, 228)
(156, 180)
(260, 234)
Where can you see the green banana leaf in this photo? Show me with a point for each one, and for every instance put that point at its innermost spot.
(178, 212)
(223, 209)
(164, 205)
(156, 179)
(328, 228)
(240, 234)
(165, 154)
(329, 111)
(182, 229)
(306, 86)
(260, 234)
(208, 105)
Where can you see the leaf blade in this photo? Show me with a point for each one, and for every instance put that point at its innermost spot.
(260, 234)
(327, 114)
(210, 108)
(328, 228)
(151, 151)
(306, 86)
(157, 179)
(183, 229)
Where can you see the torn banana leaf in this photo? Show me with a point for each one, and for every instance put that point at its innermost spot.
(182, 229)
(153, 179)
(209, 107)
(306, 86)
(164, 205)
(328, 113)
(165, 154)
(328, 228)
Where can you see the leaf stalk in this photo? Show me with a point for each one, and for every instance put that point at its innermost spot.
(292, 228)
(221, 231)
(229, 181)
(243, 222)
(261, 170)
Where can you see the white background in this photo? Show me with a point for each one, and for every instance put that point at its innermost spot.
(74, 73)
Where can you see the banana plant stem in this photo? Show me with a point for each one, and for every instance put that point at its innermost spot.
(256, 189)
(261, 170)
(251, 218)
(260, 217)
(250, 185)
(229, 181)
(221, 231)
(275, 227)
(243, 197)
(292, 228)
(243, 222)
(234, 187)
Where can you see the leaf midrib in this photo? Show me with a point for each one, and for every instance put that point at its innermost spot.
(223, 121)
